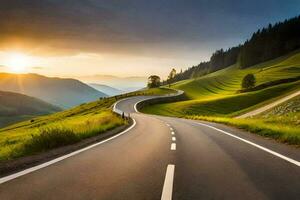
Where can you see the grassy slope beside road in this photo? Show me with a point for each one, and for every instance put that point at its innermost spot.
(63, 128)
(281, 122)
(214, 97)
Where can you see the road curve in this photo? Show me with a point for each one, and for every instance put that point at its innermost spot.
(168, 158)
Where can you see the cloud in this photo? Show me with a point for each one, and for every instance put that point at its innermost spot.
(147, 28)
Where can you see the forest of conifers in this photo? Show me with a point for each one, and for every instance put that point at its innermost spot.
(265, 44)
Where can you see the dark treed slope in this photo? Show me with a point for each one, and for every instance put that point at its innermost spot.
(15, 107)
(266, 44)
(64, 93)
(271, 42)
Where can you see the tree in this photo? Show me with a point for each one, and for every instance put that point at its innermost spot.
(248, 81)
(153, 81)
(172, 75)
(265, 44)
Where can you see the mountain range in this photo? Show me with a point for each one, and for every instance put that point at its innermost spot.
(110, 91)
(62, 92)
(126, 84)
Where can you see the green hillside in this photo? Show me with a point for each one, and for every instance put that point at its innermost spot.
(215, 97)
(217, 93)
(281, 122)
(16, 107)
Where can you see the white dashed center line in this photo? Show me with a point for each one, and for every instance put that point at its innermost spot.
(173, 146)
(168, 184)
(172, 133)
(173, 138)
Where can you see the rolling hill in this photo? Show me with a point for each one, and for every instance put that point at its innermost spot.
(216, 97)
(216, 94)
(16, 107)
(61, 92)
(110, 91)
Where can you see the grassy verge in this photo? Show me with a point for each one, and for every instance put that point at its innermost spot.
(155, 91)
(264, 127)
(60, 129)
(64, 133)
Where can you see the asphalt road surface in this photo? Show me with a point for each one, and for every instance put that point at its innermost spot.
(167, 158)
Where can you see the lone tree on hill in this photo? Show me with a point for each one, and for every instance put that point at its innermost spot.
(171, 76)
(153, 81)
(248, 81)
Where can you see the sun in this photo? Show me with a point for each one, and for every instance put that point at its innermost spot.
(17, 62)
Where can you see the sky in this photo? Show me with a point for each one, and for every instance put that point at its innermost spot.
(71, 38)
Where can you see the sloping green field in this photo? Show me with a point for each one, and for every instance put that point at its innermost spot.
(216, 94)
(281, 122)
(214, 97)
(67, 127)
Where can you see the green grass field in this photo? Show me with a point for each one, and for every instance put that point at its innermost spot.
(63, 128)
(216, 93)
(281, 122)
(83, 121)
(215, 97)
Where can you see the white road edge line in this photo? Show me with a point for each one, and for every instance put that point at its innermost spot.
(173, 133)
(46, 164)
(173, 146)
(115, 104)
(135, 106)
(295, 162)
(173, 138)
(168, 183)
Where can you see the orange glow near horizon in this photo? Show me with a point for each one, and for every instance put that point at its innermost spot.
(86, 64)
(17, 62)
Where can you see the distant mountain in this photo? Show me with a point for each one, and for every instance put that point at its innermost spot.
(126, 84)
(61, 92)
(15, 107)
(110, 91)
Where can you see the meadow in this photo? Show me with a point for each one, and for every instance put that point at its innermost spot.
(281, 122)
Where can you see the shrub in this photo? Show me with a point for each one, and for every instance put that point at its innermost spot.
(248, 81)
(50, 138)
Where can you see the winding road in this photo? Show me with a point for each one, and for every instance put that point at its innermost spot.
(166, 158)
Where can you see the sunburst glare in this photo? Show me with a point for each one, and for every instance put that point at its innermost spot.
(17, 62)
